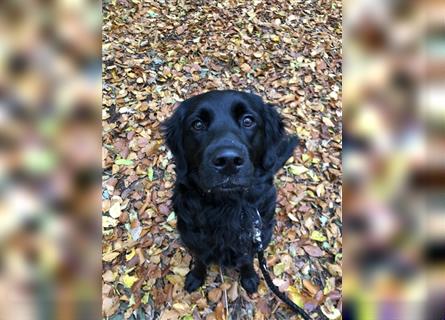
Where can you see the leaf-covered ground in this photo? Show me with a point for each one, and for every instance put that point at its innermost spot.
(156, 53)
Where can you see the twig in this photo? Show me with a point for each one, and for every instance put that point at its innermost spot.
(146, 202)
(276, 307)
(226, 304)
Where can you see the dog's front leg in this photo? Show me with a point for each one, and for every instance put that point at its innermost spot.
(249, 278)
(196, 277)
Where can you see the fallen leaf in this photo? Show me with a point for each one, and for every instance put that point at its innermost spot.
(327, 122)
(174, 279)
(332, 313)
(313, 251)
(219, 311)
(245, 67)
(278, 269)
(108, 276)
(110, 305)
(128, 280)
(215, 294)
(292, 217)
(318, 236)
(295, 296)
(108, 257)
(182, 271)
(297, 170)
(108, 222)
(232, 294)
(115, 210)
(125, 162)
(313, 289)
(320, 190)
(181, 308)
(169, 315)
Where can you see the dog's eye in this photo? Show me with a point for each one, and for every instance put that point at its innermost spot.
(248, 121)
(198, 125)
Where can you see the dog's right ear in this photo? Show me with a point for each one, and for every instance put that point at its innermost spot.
(171, 129)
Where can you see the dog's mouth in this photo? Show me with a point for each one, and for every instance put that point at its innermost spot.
(229, 186)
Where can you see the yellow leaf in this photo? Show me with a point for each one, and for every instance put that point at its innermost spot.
(275, 38)
(182, 308)
(180, 270)
(130, 255)
(295, 296)
(313, 176)
(128, 280)
(144, 299)
(318, 236)
(297, 170)
(110, 256)
(278, 269)
(174, 279)
(305, 157)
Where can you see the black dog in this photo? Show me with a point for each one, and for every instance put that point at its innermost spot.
(227, 147)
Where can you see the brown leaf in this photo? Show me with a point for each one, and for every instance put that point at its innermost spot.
(170, 315)
(313, 251)
(313, 289)
(215, 294)
(232, 294)
(110, 256)
(163, 209)
(245, 67)
(110, 306)
(219, 311)
(108, 276)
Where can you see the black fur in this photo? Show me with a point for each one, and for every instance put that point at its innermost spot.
(213, 198)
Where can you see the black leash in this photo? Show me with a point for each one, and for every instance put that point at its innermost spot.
(263, 266)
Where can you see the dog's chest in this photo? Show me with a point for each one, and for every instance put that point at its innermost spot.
(222, 235)
(229, 248)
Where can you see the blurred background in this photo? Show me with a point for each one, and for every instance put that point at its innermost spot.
(393, 159)
(50, 99)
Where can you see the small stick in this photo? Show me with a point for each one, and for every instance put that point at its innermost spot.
(276, 307)
(226, 305)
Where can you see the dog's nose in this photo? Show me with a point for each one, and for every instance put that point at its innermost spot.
(228, 160)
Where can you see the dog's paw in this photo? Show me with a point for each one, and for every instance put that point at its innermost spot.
(193, 281)
(250, 282)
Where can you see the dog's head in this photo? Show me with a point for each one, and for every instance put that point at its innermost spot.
(221, 140)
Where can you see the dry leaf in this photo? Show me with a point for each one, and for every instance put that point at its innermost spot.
(313, 251)
(232, 294)
(110, 256)
(245, 67)
(110, 305)
(327, 122)
(115, 210)
(215, 294)
(318, 236)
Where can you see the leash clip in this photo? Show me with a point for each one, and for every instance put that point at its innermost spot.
(257, 232)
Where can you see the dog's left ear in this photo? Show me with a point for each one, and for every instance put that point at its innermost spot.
(279, 145)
